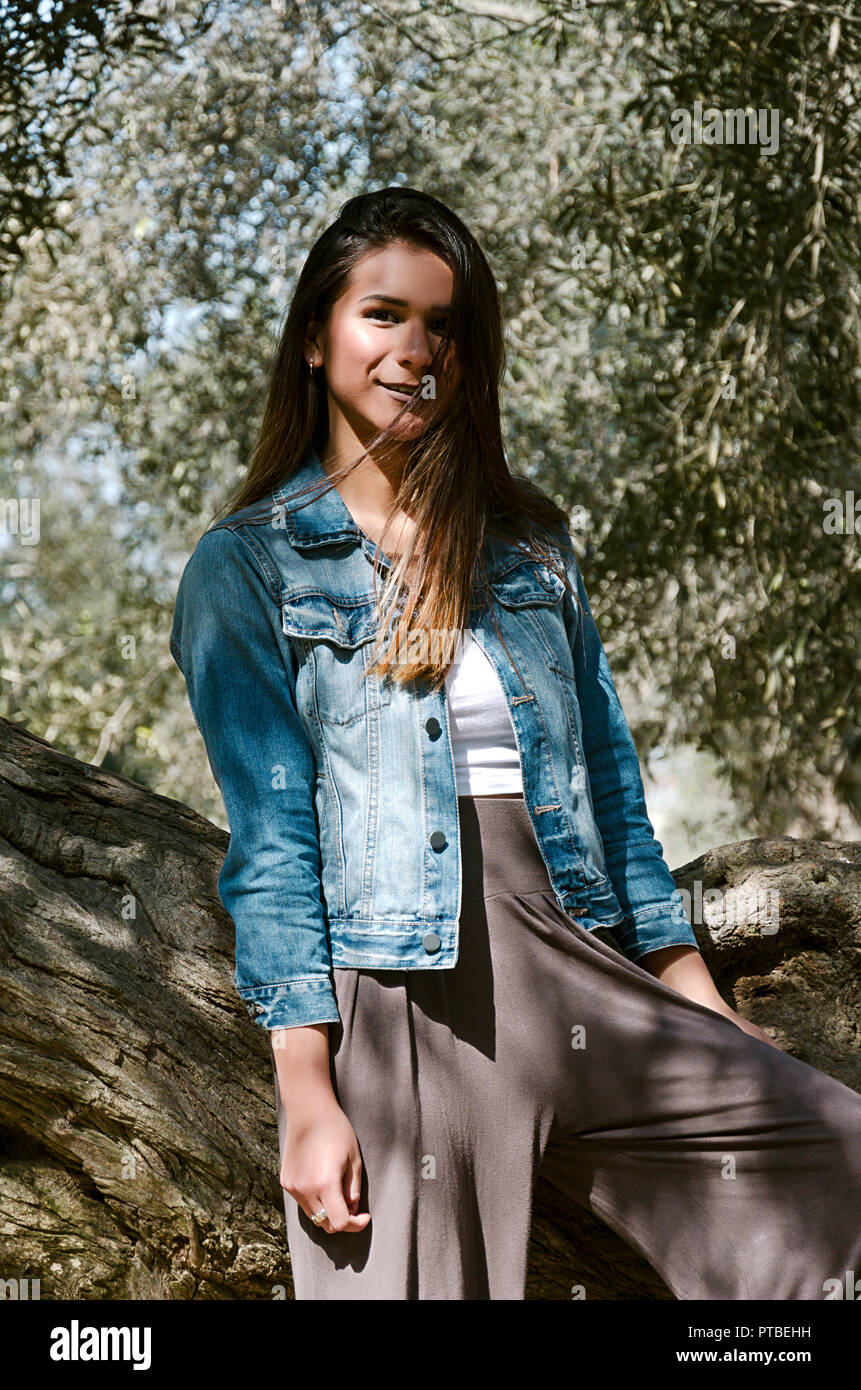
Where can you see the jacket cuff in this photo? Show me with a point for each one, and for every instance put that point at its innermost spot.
(652, 929)
(293, 1004)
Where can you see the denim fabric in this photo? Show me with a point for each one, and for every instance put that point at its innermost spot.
(340, 791)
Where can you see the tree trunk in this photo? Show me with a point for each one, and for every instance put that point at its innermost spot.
(137, 1118)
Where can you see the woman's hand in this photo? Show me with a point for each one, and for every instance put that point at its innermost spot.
(684, 970)
(747, 1026)
(321, 1164)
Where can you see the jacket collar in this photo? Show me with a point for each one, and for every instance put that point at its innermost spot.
(315, 518)
(318, 518)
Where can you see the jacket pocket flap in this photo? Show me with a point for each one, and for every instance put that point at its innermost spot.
(316, 614)
(527, 583)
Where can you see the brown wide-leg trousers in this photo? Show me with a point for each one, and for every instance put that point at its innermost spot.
(734, 1168)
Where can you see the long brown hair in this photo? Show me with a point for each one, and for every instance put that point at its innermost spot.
(457, 484)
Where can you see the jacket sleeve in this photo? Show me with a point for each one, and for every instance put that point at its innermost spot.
(641, 879)
(241, 680)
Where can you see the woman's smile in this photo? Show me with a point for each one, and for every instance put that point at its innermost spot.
(400, 393)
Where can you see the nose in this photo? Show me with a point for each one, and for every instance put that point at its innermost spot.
(414, 347)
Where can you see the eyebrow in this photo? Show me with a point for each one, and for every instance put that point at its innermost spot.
(403, 303)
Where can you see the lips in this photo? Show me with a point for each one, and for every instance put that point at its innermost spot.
(402, 391)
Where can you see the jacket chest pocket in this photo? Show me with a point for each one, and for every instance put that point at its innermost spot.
(333, 637)
(535, 594)
(532, 589)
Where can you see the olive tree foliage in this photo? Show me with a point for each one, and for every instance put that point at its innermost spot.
(134, 342)
(54, 60)
(737, 380)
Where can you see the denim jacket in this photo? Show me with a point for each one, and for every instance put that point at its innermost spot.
(340, 792)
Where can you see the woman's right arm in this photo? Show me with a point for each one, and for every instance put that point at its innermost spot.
(240, 672)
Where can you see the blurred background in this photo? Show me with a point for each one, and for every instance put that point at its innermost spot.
(683, 325)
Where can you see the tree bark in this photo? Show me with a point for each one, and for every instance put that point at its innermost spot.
(137, 1117)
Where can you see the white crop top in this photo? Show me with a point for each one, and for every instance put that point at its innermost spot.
(486, 760)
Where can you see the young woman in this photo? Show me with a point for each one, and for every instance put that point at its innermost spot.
(435, 804)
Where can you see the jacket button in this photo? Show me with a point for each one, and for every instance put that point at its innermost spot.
(431, 942)
(433, 727)
(438, 840)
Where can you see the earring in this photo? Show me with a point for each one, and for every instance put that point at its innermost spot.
(311, 367)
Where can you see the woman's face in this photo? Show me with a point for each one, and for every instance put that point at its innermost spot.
(382, 335)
